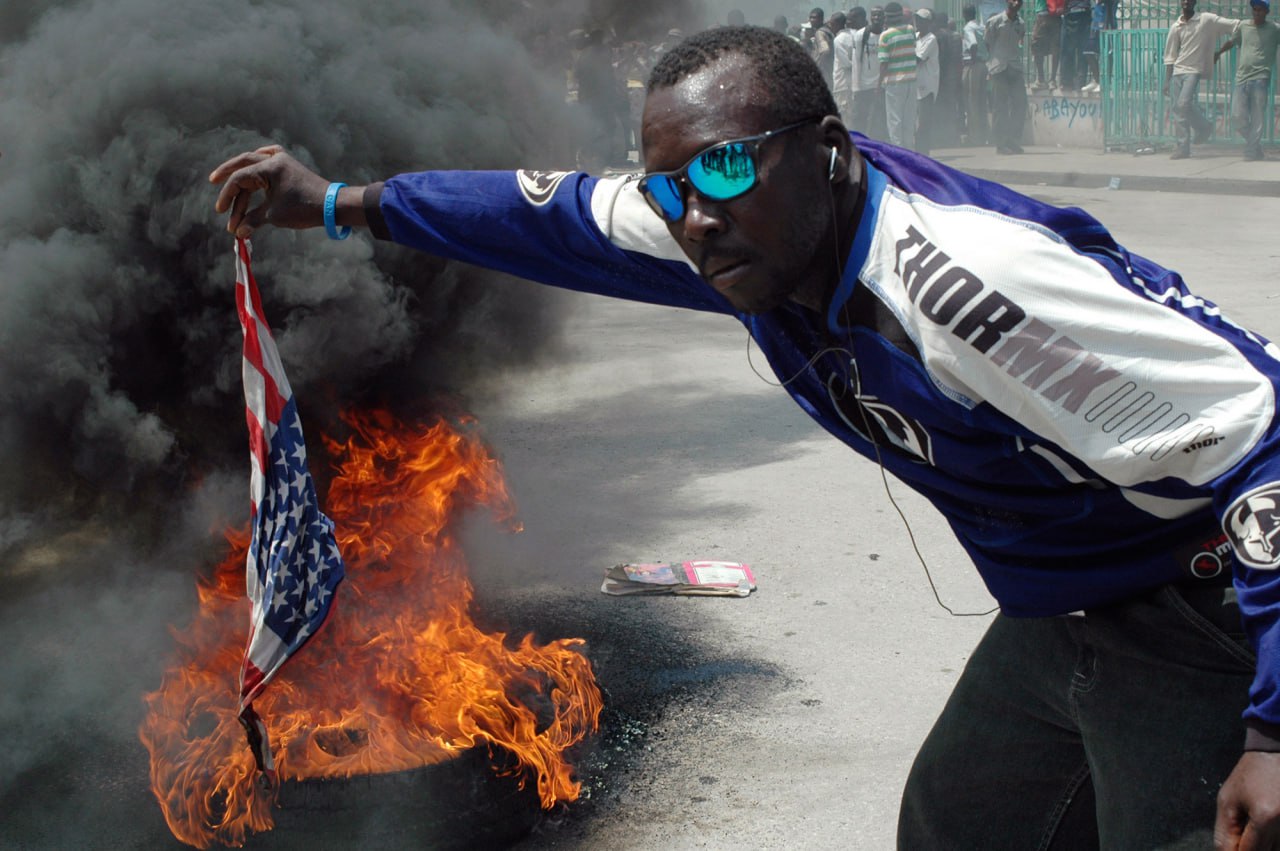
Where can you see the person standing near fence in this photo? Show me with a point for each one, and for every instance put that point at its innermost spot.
(842, 64)
(822, 34)
(1258, 41)
(927, 77)
(974, 44)
(949, 111)
(1004, 34)
(1189, 58)
(1097, 22)
(868, 97)
(1046, 41)
(1075, 34)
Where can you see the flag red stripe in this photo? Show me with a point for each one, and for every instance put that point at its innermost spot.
(242, 249)
(251, 680)
(253, 354)
(257, 440)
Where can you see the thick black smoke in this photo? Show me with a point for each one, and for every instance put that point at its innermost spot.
(122, 438)
(120, 368)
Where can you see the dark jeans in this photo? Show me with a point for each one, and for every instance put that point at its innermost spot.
(1112, 730)
(975, 102)
(1072, 72)
(1008, 106)
(926, 123)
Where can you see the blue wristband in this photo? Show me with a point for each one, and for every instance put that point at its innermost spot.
(330, 208)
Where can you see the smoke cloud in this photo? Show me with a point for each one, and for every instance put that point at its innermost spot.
(122, 438)
(121, 364)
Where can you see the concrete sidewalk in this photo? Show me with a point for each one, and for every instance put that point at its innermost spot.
(1212, 169)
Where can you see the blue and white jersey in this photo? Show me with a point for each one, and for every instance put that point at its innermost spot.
(1089, 428)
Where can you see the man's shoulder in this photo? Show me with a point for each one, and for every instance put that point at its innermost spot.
(1212, 19)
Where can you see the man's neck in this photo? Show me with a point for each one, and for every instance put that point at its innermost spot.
(818, 289)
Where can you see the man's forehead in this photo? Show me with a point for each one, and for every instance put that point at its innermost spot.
(722, 94)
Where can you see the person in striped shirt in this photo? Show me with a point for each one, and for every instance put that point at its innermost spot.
(897, 52)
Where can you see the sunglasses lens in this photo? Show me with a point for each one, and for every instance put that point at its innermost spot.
(663, 194)
(724, 172)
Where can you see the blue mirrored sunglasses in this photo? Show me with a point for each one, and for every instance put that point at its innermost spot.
(722, 172)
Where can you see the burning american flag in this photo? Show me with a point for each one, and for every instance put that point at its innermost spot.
(293, 566)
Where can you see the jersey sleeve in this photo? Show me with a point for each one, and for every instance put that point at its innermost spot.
(566, 229)
(1109, 359)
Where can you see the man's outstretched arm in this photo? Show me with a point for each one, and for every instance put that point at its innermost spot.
(567, 229)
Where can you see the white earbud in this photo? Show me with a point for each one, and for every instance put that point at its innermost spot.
(831, 168)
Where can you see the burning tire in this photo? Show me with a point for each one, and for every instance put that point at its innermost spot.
(460, 804)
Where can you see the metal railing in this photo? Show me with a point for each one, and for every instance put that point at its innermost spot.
(1135, 109)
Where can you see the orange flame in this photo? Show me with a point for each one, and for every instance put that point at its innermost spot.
(400, 677)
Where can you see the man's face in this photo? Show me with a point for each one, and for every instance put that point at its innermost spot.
(857, 20)
(1013, 8)
(815, 18)
(1259, 15)
(754, 249)
(877, 21)
(1188, 8)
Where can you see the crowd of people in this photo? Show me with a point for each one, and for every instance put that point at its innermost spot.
(918, 79)
(913, 78)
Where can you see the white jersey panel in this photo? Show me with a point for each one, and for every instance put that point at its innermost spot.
(623, 216)
(1131, 387)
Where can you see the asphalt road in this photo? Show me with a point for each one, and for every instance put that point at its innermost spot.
(785, 720)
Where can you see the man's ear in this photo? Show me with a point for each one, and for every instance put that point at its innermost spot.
(838, 152)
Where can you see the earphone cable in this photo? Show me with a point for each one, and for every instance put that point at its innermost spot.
(866, 425)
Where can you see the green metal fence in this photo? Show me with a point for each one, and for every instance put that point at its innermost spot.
(1160, 14)
(1135, 110)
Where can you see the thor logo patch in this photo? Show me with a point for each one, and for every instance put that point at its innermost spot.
(539, 186)
(1253, 525)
